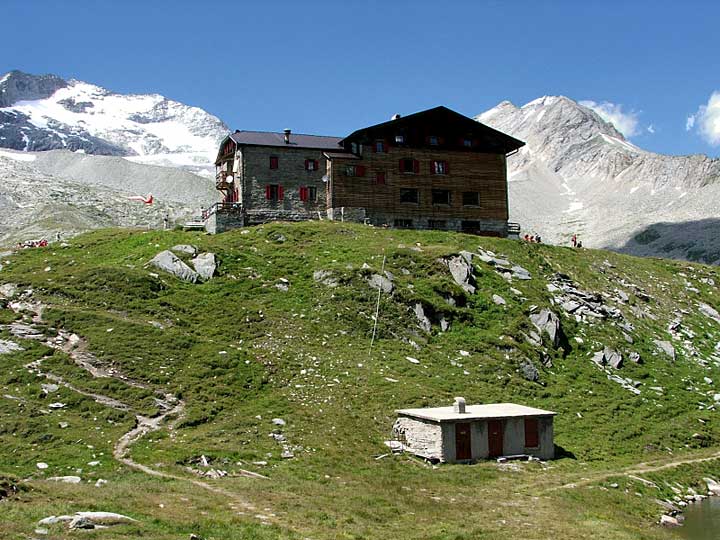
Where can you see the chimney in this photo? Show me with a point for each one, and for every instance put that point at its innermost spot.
(459, 405)
(395, 117)
(287, 132)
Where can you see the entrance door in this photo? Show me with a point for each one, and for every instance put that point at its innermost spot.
(495, 438)
(463, 442)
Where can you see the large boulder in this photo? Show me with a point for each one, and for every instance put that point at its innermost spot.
(168, 262)
(548, 323)
(381, 283)
(710, 311)
(205, 265)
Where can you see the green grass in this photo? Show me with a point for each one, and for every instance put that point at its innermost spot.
(240, 352)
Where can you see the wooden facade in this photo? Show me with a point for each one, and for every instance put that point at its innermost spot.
(435, 169)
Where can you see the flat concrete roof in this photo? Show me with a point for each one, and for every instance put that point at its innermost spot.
(474, 412)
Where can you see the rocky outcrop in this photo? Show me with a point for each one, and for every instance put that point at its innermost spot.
(547, 323)
(461, 269)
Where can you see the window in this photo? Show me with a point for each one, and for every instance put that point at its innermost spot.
(311, 164)
(409, 166)
(379, 146)
(441, 196)
(308, 194)
(403, 223)
(433, 140)
(400, 139)
(467, 143)
(380, 178)
(273, 162)
(532, 440)
(437, 224)
(356, 148)
(439, 167)
(355, 170)
(409, 195)
(471, 198)
(274, 192)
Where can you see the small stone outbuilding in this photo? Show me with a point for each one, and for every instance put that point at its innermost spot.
(463, 433)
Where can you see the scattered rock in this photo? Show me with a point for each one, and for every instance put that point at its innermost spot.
(709, 311)
(635, 357)
(520, 273)
(105, 518)
(461, 269)
(667, 348)
(499, 300)
(7, 347)
(528, 370)
(278, 421)
(669, 521)
(205, 265)
(52, 520)
(412, 360)
(608, 357)
(380, 283)
(41, 465)
(423, 319)
(66, 479)
(8, 290)
(548, 323)
(167, 261)
(79, 522)
(185, 248)
(325, 277)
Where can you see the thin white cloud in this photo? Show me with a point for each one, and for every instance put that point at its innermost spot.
(626, 123)
(707, 120)
(651, 129)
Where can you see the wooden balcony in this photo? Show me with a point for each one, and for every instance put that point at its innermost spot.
(221, 180)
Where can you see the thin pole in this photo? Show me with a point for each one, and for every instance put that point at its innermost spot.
(377, 307)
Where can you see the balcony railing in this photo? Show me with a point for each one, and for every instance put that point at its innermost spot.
(222, 208)
(513, 228)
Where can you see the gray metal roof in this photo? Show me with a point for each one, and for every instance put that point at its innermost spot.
(297, 140)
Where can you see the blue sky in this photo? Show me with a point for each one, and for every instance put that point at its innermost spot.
(331, 67)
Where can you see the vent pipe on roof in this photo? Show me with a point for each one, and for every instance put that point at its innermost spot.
(287, 132)
(395, 117)
(459, 405)
(237, 131)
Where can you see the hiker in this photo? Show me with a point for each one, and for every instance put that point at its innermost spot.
(527, 237)
(532, 239)
(574, 240)
(579, 244)
(166, 220)
(538, 239)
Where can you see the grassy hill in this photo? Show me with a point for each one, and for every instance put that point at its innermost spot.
(284, 332)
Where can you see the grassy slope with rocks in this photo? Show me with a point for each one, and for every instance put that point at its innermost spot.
(240, 351)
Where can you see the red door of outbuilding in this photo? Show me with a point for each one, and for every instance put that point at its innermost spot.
(463, 442)
(495, 438)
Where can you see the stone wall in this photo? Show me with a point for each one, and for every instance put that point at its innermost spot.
(290, 174)
(421, 437)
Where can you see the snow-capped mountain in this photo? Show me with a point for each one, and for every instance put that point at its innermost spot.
(578, 174)
(46, 112)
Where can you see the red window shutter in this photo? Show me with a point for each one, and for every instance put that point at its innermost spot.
(380, 178)
(416, 166)
(273, 163)
(432, 167)
(281, 193)
(317, 165)
(267, 192)
(401, 166)
(360, 170)
(447, 168)
(386, 145)
(303, 196)
(374, 147)
(532, 439)
(307, 162)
